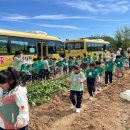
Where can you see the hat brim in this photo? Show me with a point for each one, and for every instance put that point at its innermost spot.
(76, 66)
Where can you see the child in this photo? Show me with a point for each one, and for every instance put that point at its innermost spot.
(85, 62)
(24, 72)
(70, 64)
(109, 68)
(60, 66)
(89, 59)
(17, 60)
(100, 71)
(65, 67)
(105, 55)
(125, 59)
(113, 57)
(14, 112)
(52, 67)
(91, 74)
(30, 70)
(40, 67)
(100, 58)
(95, 58)
(119, 66)
(76, 80)
(35, 66)
(77, 60)
(46, 69)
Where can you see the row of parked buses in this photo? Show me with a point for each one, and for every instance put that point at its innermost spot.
(39, 44)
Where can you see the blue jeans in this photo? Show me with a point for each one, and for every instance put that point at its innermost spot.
(24, 128)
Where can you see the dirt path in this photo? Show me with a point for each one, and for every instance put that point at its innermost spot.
(106, 112)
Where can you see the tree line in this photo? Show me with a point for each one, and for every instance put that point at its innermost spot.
(121, 38)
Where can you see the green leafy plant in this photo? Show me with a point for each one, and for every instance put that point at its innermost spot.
(42, 91)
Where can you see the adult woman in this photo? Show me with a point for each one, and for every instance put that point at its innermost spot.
(17, 61)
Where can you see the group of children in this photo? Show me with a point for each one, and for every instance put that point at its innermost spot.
(93, 75)
(50, 67)
(42, 69)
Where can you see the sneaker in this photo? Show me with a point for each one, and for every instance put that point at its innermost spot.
(73, 107)
(91, 98)
(95, 93)
(106, 84)
(78, 110)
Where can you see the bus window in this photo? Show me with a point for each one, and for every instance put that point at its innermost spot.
(51, 47)
(4, 45)
(17, 44)
(60, 48)
(96, 46)
(79, 45)
(104, 47)
(108, 47)
(69, 46)
(29, 46)
(88, 46)
(100, 47)
(92, 46)
(56, 47)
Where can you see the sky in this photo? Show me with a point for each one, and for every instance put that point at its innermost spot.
(65, 19)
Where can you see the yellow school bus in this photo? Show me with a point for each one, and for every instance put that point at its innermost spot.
(78, 47)
(33, 44)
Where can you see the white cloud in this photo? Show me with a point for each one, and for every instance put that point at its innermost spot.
(102, 6)
(60, 17)
(14, 17)
(107, 20)
(61, 26)
(82, 5)
(19, 18)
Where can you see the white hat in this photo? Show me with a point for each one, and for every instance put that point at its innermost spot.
(30, 63)
(60, 59)
(108, 58)
(24, 62)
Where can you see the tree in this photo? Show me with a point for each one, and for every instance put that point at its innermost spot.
(122, 37)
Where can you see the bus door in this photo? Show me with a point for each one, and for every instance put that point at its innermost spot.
(42, 49)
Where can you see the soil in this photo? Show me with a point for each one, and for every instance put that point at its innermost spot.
(106, 112)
